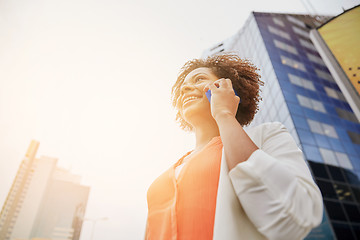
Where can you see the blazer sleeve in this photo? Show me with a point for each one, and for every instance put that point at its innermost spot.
(276, 189)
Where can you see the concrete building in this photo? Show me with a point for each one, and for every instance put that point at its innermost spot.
(301, 93)
(44, 202)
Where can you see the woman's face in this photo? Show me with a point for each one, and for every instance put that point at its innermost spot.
(193, 103)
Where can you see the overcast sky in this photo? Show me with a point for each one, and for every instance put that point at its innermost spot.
(91, 79)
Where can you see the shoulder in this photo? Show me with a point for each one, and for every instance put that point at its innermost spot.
(266, 130)
(271, 135)
(267, 126)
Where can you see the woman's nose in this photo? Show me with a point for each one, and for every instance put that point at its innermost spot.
(186, 88)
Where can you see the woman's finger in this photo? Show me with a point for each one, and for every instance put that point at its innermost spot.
(210, 86)
(228, 82)
(224, 83)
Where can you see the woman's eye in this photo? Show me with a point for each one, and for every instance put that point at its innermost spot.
(199, 79)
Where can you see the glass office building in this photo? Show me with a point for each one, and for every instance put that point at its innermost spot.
(300, 92)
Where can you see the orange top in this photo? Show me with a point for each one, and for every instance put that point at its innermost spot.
(184, 208)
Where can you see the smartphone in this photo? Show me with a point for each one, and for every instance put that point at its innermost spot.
(208, 95)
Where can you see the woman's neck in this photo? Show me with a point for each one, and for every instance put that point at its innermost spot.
(205, 133)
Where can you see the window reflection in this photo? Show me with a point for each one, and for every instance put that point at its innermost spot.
(343, 192)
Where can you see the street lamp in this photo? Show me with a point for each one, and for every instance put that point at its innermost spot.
(94, 222)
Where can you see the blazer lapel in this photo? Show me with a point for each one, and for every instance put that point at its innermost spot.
(231, 221)
(228, 209)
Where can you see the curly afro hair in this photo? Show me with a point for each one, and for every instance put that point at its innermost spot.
(243, 75)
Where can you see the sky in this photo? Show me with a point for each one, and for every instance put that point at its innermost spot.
(90, 80)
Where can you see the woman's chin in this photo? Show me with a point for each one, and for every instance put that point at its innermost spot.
(194, 118)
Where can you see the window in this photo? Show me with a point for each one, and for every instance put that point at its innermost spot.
(329, 130)
(304, 101)
(318, 106)
(327, 189)
(352, 210)
(324, 75)
(295, 21)
(300, 32)
(355, 137)
(336, 173)
(308, 85)
(315, 127)
(343, 192)
(328, 156)
(307, 44)
(319, 169)
(278, 22)
(279, 32)
(301, 82)
(322, 128)
(346, 115)
(343, 160)
(331, 92)
(311, 103)
(356, 192)
(285, 47)
(334, 158)
(315, 59)
(292, 63)
(295, 80)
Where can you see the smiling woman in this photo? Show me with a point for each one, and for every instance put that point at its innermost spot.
(235, 184)
(245, 81)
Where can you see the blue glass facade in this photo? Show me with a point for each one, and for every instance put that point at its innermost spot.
(323, 130)
(300, 92)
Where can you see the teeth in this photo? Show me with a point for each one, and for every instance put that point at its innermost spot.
(189, 98)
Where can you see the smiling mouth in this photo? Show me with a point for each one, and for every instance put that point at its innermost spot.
(189, 99)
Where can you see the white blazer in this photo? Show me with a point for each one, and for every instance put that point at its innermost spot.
(271, 195)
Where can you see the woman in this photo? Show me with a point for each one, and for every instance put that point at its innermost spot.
(235, 184)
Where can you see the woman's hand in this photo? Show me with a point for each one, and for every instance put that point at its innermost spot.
(224, 102)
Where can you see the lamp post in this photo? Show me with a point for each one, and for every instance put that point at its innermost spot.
(94, 223)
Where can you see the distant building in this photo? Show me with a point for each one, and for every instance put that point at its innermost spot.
(338, 42)
(44, 202)
(301, 93)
